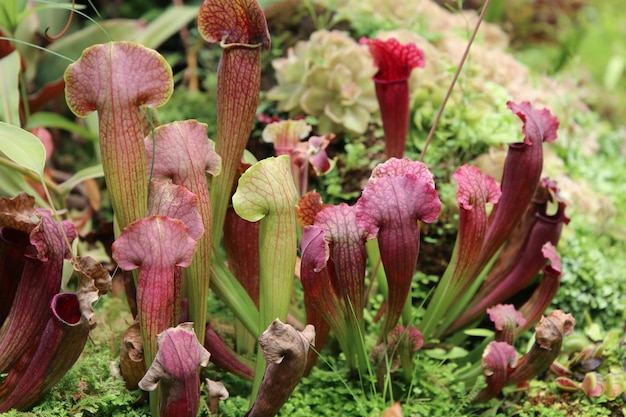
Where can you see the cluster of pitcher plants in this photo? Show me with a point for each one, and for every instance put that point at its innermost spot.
(192, 217)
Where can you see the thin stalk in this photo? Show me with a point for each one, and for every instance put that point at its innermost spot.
(454, 79)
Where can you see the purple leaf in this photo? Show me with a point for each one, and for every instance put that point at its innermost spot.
(498, 358)
(175, 367)
(39, 280)
(116, 79)
(241, 29)
(549, 335)
(522, 170)
(159, 246)
(399, 194)
(285, 350)
(395, 63)
(183, 155)
(49, 355)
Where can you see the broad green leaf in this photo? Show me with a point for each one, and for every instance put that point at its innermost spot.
(8, 15)
(167, 24)
(22, 147)
(47, 119)
(9, 89)
(82, 175)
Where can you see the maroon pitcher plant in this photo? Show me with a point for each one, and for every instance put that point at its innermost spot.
(475, 191)
(160, 246)
(181, 152)
(502, 367)
(241, 30)
(398, 196)
(522, 171)
(38, 248)
(541, 298)
(47, 360)
(395, 63)
(530, 260)
(333, 276)
(42, 333)
(116, 79)
(176, 369)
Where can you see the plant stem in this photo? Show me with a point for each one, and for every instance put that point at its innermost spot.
(454, 79)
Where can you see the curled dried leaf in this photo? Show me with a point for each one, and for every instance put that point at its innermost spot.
(550, 332)
(175, 368)
(132, 366)
(16, 212)
(216, 392)
(286, 351)
(93, 281)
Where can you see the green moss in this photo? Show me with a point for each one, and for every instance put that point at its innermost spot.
(93, 387)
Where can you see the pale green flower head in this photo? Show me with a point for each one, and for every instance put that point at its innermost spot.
(328, 77)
